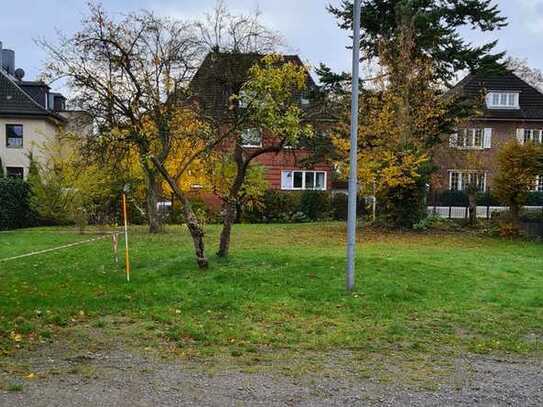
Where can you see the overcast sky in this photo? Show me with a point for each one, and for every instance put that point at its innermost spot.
(308, 28)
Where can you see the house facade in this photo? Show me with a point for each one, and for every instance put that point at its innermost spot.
(30, 114)
(220, 76)
(511, 110)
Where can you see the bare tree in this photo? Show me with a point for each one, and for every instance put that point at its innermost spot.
(222, 31)
(131, 75)
(531, 75)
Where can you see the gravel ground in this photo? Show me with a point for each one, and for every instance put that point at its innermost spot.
(122, 378)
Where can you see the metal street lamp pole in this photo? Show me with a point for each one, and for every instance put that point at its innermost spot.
(353, 156)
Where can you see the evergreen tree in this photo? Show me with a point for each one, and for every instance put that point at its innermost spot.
(437, 24)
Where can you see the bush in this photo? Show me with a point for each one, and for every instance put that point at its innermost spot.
(402, 206)
(535, 199)
(294, 207)
(316, 205)
(488, 199)
(449, 198)
(15, 211)
(435, 222)
(340, 206)
(460, 198)
(280, 206)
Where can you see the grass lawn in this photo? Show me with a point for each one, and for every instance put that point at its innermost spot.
(282, 289)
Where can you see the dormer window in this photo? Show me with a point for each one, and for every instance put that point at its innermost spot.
(502, 100)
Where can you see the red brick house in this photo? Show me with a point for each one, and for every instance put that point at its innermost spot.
(220, 76)
(511, 109)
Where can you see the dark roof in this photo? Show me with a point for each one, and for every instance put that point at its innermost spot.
(530, 99)
(222, 75)
(14, 101)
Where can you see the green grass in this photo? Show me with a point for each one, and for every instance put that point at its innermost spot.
(282, 288)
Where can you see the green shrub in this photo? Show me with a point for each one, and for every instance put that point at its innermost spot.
(403, 206)
(435, 222)
(488, 199)
(316, 205)
(15, 211)
(535, 199)
(340, 206)
(300, 206)
(450, 198)
(280, 206)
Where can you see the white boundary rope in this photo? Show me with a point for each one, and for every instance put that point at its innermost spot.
(55, 248)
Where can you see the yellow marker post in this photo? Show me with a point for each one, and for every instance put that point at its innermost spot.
(127, 260)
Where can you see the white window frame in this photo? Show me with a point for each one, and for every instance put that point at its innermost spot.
(460, 185)
(248, 145)
(526, 135)
(508, 100)
(459, 140)
(11, 167)
(22, 138)
(304, 186)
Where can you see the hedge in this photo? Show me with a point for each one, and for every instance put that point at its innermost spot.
(15, 211)
(300, 206)
(460, 198)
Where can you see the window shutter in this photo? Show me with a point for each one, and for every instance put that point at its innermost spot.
(520, 136)
(487, 142)
(453, 140)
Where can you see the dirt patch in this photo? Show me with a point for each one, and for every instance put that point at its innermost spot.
(123, 377)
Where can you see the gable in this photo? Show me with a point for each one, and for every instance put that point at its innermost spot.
(222, 75)
(530, 99)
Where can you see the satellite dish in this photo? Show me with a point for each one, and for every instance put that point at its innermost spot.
(19, 73)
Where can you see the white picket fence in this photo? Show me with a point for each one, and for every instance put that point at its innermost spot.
(462, 212)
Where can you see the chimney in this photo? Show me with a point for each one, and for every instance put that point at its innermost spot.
(8, 61)
(1, 64)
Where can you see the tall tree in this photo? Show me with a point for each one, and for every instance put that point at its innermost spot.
(403, 116)
(437, 25)
(131, 75)
(268, 100)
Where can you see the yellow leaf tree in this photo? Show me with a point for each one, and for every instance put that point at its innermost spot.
(402, 115)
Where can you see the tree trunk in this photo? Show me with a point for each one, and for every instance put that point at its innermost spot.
(230, 210)
(472, 199)
(152, 196)
(195, 229)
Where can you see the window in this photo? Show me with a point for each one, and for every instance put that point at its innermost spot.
(503, 100)
(251, 138)
(303, 180)
(532, 135)
(15, 172)
(472, 138)
(538, 186)
(14, 135)
(460, 180)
